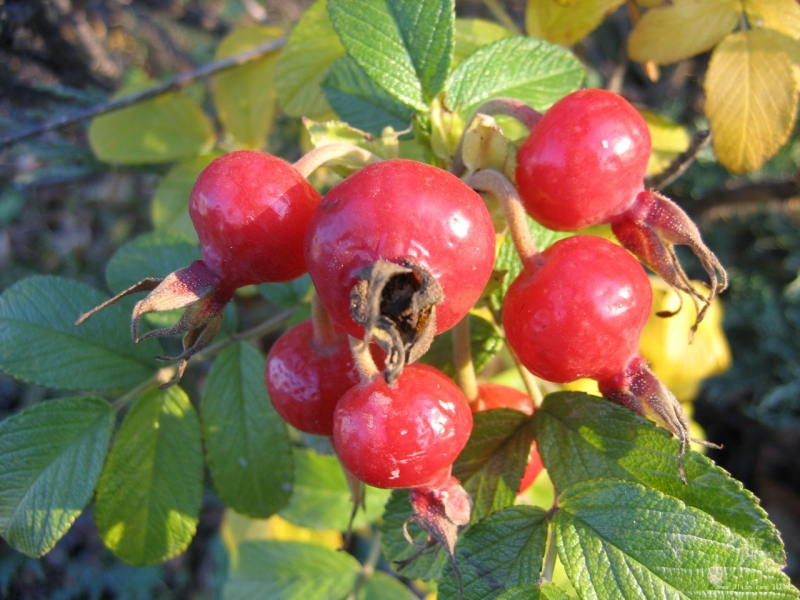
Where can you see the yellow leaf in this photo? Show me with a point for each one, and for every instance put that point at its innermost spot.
(792, 49)
(164, 129)
(649, 3)
(781, 15)
(245, 96)
(687, 27)
(669, 140)
(751, 98)
(566, 23)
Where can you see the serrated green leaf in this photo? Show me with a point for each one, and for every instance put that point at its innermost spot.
(381, 586)
(42, 344)
(405, 46)
(472, 34)
(545, 591)
(536, 72)
(486, 340)
(396, 548)
(621, 540)
(360, 102)
(491, 465)
(271, 570)
(320, 496)
(169, 127)
(304, 63)
(148, 499)
(245, 96)
(582, 437)
(169, 210)
(504, 550)
(52, 457)
(289, 294)
(249, 453)
(154, 254)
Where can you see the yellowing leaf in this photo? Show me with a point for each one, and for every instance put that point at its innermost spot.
(566, 23)
(781, 15)
(166, 128)
(305, 61)
(245, 96)
(751, 98)
(669, 140)
(688, 27)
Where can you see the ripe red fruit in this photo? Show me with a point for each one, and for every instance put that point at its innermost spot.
(305, 378)
(405, 435)
(493, 395)
(407, 213)
(584, 164)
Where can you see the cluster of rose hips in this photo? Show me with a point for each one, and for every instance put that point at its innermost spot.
(401, 251)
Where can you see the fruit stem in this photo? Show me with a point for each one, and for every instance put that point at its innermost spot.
(462, 358)
(334, 153)
(362, 357)
(529, 381)
(324, 333)
(497, 184)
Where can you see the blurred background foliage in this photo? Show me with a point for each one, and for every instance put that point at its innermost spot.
(64, 211)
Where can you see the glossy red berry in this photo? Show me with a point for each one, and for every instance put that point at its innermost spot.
(584, 162)
(493, 395)
(251, 210)
(305, 378)
(405, 435)
(395, 210)
(579, 312)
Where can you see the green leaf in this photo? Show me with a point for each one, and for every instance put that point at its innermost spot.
(472, 34)
(169, 127)
(305, 61)
(52, 455)
(503, 551)
(249, 454)
(508, 265)
(381, 586)
(536, 72)
(320, 497)
(289, 294)
(531, 591)
(582, 437)
(396, 548)
(271, 570)
(360, 102)
(491, 465)
(405, 46)
(148, 499)
(486, 340)
(620, 540)
(169, 210)
(245, 96)
(42, 344)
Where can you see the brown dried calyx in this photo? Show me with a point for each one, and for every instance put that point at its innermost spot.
(396, 306)
(193, 288)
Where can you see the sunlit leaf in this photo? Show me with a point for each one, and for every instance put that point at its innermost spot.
(671, 33)
(781, 15)
(669, 140)
(566, 23)
(751, 99)
(472, 34)
(169, 127)
(245, 96)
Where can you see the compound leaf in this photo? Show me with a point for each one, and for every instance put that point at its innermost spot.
(312, 48)
(249, 453)
(751, 98)
(503, 551)
(148, 499)
(536, 72)
(491, 465)
(42, 344)
(405, 46)
(53, 453)
(619, 539)
(272, 570)
(683, 29)
(582, 437)
(245, 96)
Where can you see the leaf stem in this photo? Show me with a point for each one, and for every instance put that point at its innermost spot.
(550, 555)
(462, 358)
(368, 568)
(334, 153)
